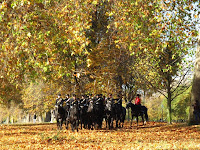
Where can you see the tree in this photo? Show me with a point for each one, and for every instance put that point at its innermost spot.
(109, 62)
(98, 46)
(177, 42)
(195, 94)
(166, 58)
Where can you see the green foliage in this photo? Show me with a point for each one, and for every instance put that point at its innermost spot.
(157, 107)
(180, 106)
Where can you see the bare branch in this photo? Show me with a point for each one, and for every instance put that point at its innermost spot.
(181, 80)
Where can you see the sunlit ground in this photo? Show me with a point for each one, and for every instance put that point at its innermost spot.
(151, 136)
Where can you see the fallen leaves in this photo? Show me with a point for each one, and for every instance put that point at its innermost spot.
(152, 136)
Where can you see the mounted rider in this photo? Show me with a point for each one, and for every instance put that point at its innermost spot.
(67, 101)
(138, 100)
(59, 100)
(99, 99)
(67, 97)
(109, 99)
(89, 98)
(73, 100)
(83, 100)
(119, 101)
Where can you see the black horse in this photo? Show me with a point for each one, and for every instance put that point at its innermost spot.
(118, 113)
(60, 115)
(137, 110)
(114, 112)
(122, 117)
(83, 115)
(73, 117)
(98, 112)
(109, 114)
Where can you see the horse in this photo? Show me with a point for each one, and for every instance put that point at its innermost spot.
(137, 110)
(83, 115)
(109, 114)
(122, 117)
(90, 114)
(118, 112)
(60, 115)
(98, 112)
(73, 117)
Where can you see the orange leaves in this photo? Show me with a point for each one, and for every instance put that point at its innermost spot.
(196, 16)
(151, 136)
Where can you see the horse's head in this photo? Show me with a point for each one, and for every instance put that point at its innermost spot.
(59, 104)
(90, 106)
(109, 106)
(58, 110)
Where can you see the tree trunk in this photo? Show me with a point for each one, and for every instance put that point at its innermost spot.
(195, 94)
(52, 116)
(169, 100)
(8, 119)
(27, 119)
(40, 118)
(169, 107)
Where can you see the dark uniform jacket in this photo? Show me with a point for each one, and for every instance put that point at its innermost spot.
(59, 101)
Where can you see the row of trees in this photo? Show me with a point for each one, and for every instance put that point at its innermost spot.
(95, 46)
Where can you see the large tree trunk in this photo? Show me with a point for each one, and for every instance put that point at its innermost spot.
(195, 95)
(169, 98)
(169, 105)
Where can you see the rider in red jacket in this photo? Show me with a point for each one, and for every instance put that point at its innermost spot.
(138, 100)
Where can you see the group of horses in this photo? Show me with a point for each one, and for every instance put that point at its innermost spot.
(90, 115)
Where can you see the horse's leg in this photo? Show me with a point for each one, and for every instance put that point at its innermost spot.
(77, 123)
(117, 121)
(146, 117)
(120, 122)
(106, 119)
(72, 126)
(111, 122)
(137, 120)
(85, 122)
(61, 122)
(57, 123)
(142, 118)
(100, 122)
(131, 120)
(67, 123)
(89, 123)
(81, 123)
